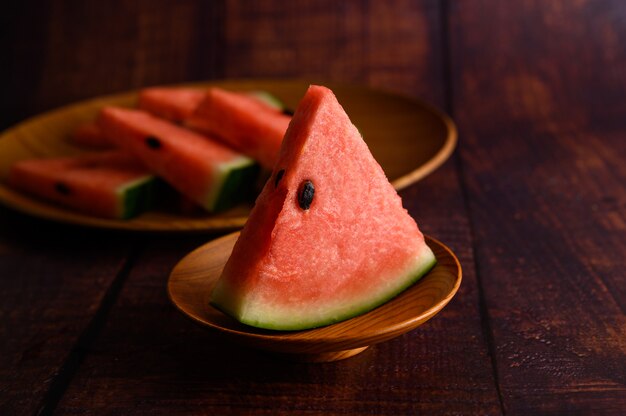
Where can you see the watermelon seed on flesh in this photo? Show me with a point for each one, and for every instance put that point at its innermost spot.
(306, 194)
(62, 188)
(360, 252)
(204, 170)
(279, 176)
(105, 184)
(153, 142)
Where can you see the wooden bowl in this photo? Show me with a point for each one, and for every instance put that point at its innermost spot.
(409, 139)
(192, 280)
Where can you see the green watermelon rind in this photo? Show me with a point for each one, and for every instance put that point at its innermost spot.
(136, 196)
(427, 262)
(233, 180)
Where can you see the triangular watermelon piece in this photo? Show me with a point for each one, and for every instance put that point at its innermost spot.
(105, 184)
(174, 104)
(90, 135)
(328, 238)
(243, 122)
(206, 171)
(179, 103)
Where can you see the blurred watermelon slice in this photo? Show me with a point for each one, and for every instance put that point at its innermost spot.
(89, 135)
(174, 104)
(107, 184)
(178, 103)
(245, 123)
(204, 170)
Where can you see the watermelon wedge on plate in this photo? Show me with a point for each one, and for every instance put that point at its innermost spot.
(245, 123)
(107, 184)
(89, 135)
(328, 238)
(179, 103)
(174, 104)
(204, 170)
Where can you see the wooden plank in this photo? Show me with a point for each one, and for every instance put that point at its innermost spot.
(151, 360)
(54, 280)
(65, 51)
(347, 42)
(21, 39)
(538, 93)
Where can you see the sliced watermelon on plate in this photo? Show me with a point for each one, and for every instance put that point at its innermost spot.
(328, 238)
(245, 123)
(178, 103)
(204, 170)
(89, 135)
(174, 104)
(108, 184)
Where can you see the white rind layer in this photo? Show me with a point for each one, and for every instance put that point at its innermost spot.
(121, 191)
(220, 175)
(272, 316)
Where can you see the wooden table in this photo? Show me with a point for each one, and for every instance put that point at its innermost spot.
(533, 202)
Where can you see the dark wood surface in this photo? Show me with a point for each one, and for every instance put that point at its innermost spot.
(533, 202)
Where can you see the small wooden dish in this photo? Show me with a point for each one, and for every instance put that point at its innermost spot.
(192, 280)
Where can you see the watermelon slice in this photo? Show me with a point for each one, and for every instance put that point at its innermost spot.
(202, 169)
(174, 104)
(243, 122)
(90, 135)
(107, 184)
(328, 238)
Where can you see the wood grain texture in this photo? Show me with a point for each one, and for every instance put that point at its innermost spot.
(54, 281)
(538, 88)
(150, 360)
(541, 113)
(66, 50)
(383, 44)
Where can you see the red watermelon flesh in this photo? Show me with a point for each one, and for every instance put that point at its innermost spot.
(175, 104)
(108, 184)
(202, 169)
(354, 248)
(243, 122)
(90, 135)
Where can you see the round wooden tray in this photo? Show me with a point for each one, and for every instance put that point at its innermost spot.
(409, 139)
(192, 280)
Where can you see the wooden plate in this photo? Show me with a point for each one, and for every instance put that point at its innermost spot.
(192, 280)
(409, 139)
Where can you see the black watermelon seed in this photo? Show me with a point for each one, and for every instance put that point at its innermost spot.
(153, 142)
(287, 111)
(279, 176)
(62, 188)
(305, 196)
